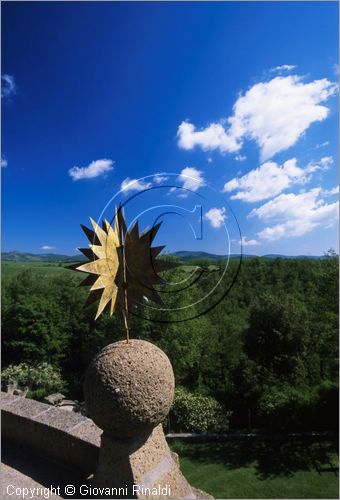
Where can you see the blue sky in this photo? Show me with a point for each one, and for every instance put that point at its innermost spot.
(237, 100)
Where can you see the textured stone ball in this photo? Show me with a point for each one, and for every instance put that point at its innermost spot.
(129, 388)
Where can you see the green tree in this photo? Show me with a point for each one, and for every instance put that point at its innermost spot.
(35, 330)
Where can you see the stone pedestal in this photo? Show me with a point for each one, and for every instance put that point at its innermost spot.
(129, 389)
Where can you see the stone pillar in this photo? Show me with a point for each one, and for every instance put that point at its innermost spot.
(129, 389)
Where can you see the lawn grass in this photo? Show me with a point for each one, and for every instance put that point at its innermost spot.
(261, 470)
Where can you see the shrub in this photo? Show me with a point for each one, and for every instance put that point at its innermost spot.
(198, 413)
(41, 379)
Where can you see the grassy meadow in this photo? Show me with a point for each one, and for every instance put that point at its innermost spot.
(43, 269)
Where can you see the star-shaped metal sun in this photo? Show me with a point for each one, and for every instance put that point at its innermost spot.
(122, 267)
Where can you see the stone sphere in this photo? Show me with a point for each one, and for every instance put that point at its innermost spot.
(129, 388)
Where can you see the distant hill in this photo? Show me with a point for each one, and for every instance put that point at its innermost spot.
(38, 257)
(187, 255)
(277, 255)
(184, 255)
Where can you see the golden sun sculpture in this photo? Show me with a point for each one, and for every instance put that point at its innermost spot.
(122, 268)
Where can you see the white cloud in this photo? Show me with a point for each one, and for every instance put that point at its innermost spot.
(326, 162)
(210, 160)
(295, 214)
(47, 247)
(215, 216)
(270, 179)
(284, 67)
(158, 179)
(8, 86)
(212, 137)
(94, 169)
(191, 178)
(248, 243)
(287, 205)
(336, 69)
(240, 158)
(331, 192)
(4, 162)
(274, 114)
(322, 145)
(134, 185)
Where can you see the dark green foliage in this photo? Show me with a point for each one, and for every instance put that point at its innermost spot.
(268, 352)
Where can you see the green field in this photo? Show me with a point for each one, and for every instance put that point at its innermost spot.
(48, 269)
(51, 269)
(258, 470)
